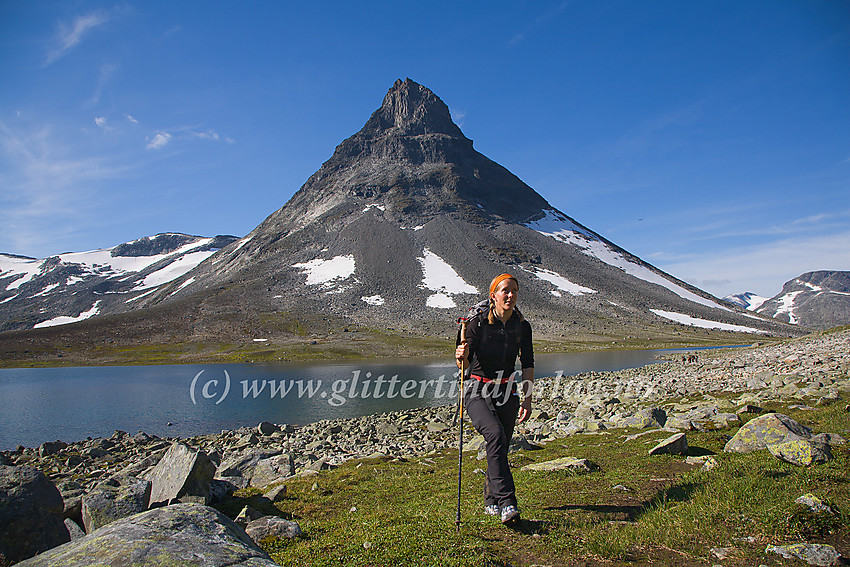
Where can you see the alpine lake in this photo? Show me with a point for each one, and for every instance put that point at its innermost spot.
(74, 403)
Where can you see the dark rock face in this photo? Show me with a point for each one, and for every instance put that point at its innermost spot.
(412, 157)
(183, 474)
(117, 498)
(185, 534)
(30, 513)
(816, 300)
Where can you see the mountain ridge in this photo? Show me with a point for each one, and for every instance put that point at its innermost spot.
(404, 226)
(818, 300)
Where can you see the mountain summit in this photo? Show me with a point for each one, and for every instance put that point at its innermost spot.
(409, 109)
(415, 159)
(403, 228)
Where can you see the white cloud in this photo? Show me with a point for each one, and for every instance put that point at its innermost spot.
(46, 191)
(159, 141)
(131, 119)
(162, 138)
(763, 268)
(70, 36)
(100, 121)
(208, 135)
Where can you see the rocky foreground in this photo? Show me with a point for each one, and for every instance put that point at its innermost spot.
(132, 497)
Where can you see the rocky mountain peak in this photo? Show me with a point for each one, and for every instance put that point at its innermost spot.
(412, 109)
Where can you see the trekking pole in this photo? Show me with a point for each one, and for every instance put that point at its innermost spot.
(462, 322)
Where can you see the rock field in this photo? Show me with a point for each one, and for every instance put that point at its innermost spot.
(106, 479)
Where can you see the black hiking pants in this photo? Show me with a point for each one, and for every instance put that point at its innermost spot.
(493, 411)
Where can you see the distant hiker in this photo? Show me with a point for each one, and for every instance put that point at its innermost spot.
(495, 335)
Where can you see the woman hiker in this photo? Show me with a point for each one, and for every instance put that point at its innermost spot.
(495, 335)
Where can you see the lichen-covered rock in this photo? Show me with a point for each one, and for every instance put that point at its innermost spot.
(116, 498)
(815, 504)
(813, 554)
(273, 526)
(646, 417)
(183, 474)
(801, 452)
(768, 429)
(180, 534)
(572, 464)
(30, 513)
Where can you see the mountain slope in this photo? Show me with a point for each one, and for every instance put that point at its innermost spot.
(406, 224)
(74, 286)
(400, 230)
(818, 300)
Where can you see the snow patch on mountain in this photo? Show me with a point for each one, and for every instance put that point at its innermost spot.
(22, 269)
(786, 306)
(703, 323)
(107, 262)
(564, 230)
(747, 300)
(327, 272)
(174, 270)
(64, 320)
(439, 276)
(560, 282)
(373, 300)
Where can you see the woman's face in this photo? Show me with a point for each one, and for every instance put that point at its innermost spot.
(505, 295)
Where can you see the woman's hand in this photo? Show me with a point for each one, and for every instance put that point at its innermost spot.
(524, 410)
(462, 354)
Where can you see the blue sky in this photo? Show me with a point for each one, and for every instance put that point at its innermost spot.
(711, 139)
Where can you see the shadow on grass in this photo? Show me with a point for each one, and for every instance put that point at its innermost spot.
(699, 452)
(613, 511)
(529, 527)
(632, 513)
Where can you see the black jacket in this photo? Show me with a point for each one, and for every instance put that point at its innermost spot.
(493, 349)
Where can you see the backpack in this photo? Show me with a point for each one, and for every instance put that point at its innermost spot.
(479, 312)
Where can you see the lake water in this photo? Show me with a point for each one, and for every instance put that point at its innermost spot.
(71, 404)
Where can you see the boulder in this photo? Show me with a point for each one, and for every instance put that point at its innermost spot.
(180, 534)
(116, 498)
(571, 464)
(674, 445)
(238, 469)
(51, 448)
(814, 504)
(183, 474)
(30, 513)
(768, 429)
(801, 452)
(813, 554)
(272, 526)
(266, 428)
(646, 417)
(277, 493)
(271, 470)
(679, 421)
(75, 532)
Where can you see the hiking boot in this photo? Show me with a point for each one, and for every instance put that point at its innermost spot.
(491, 509)
(510, 514)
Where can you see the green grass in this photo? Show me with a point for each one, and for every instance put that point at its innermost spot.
(402, 512)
